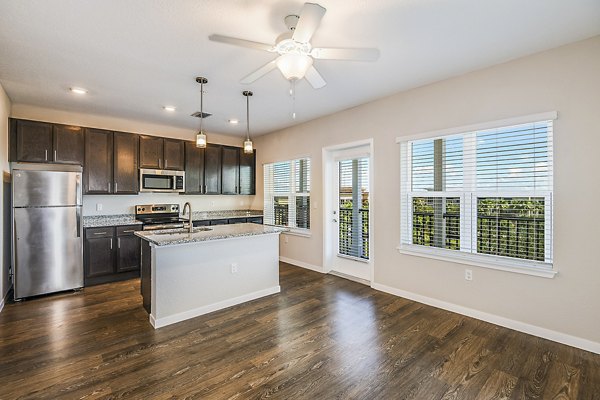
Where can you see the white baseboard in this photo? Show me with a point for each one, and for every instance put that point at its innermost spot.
(549, 334)
(301, 264)
(196, 312)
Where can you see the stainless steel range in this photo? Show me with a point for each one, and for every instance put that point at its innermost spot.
(159, 216)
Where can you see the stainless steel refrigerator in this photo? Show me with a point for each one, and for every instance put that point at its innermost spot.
(47, 251)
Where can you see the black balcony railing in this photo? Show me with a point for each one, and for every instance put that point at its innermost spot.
(519, 237)
(351, 243)
(424, 229)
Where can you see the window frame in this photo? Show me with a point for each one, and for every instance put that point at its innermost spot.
(468, 206)
(290, 193)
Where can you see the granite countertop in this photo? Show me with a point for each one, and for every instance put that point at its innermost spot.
(207, 215)
(169, 237)
(97, 221)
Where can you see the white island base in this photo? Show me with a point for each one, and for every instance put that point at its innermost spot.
(191, 279)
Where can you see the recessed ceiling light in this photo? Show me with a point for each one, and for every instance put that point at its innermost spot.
(169, 108)
(233, 121)
(78, 90)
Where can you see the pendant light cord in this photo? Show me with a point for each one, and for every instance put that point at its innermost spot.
(247, 118)
(201, 103)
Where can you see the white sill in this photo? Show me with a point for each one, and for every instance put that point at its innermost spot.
(298, 232)
(479, 261)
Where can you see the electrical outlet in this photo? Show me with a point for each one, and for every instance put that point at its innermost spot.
(98, 206)
(234, 268)
(469, 274)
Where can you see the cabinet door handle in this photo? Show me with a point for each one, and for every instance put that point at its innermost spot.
(166, 163)
(116, 190)
(159, 163)
(100, 233)
(54, 155)
(108, 187)
(111, 243)
(119, 243)
(129, 231)
(46, 154)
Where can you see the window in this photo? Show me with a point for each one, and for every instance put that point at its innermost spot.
(353, 207)
(287, 194)
(483, 196)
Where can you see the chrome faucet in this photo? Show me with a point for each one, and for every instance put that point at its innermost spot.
(190, 222)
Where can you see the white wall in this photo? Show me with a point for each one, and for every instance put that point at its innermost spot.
(564, 79)
(5, 233)
(123, 204)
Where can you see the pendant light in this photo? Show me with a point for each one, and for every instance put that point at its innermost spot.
(248, 143)
(201, 136)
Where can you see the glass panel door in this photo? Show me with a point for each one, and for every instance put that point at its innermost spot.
(353, 208)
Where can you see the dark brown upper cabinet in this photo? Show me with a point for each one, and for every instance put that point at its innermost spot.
(194, 169)
(33, 141)
(247, 173)
(230, 170)
(68, 144)
(212, 169)
(111, 162)
(161, 153)
(174, 154)
(98, 169)
(125, 167)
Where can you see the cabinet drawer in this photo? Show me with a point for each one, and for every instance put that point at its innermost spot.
(128, 230)
(107, 231)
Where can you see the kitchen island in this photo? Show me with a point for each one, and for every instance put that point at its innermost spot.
(185, 275)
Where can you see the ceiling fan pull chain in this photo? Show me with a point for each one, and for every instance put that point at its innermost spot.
(293, 94)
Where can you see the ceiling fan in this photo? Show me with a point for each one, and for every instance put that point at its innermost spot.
(296, 54)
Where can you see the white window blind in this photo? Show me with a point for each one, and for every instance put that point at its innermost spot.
(287, 193)
(487, 193)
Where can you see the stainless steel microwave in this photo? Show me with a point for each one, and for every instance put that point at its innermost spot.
(162, 180)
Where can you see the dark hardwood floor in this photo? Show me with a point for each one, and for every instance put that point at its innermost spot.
(322, 337)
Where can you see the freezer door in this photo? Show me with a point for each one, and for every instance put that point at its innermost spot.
(46, 188)
(48, 250)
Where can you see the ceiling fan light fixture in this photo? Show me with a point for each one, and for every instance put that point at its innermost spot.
(293, 65)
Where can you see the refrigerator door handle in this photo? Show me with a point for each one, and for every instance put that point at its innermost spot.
(78, 189)
(78, 220)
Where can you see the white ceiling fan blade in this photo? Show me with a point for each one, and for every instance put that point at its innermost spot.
(309, 21)
(268, 67)
(345, 54)
(314, 78)
(241, 42)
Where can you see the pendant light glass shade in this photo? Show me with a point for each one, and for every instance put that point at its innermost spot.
(248, 147)
(201, 136)
(201, 140)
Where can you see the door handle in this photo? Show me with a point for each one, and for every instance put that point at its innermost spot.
(78, 221)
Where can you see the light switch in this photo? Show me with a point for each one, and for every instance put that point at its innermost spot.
(98, 206)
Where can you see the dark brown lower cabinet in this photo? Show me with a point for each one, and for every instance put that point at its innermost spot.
(111, 254)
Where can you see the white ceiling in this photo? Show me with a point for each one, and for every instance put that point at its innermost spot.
(136, 56)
